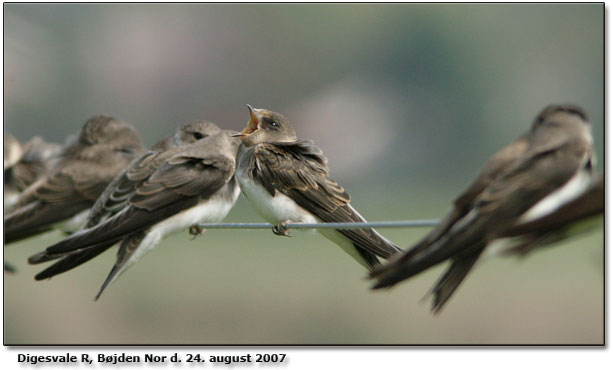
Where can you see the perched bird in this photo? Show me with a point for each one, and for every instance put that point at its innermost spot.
(88, 162)
(23, 165)
(526, 180)
(286, 180)
(116, 195)
(576, 217)
(162, 192)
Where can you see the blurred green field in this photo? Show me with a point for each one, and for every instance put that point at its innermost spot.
(252, 287)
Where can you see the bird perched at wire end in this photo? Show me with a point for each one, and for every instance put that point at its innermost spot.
(528, 179)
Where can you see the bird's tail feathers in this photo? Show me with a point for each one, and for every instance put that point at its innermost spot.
(448, 284)
(115, 272)
(127, 255)
(68, 261)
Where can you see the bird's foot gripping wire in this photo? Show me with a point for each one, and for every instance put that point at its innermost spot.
(281, 229)
(196, 230)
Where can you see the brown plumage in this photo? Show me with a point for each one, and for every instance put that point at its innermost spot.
(157, 187)
(557, 148)
(118, 192)
(274, 159)
(104, 147)
(573, 218)
(25, 164)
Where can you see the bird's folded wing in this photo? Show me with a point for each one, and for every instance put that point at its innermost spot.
(67, 261)
(56, 198)
(540, 171)
(537, 173)
(589, 204)
(299, 171)
(462, 204)
(529, 179)
(172, 188)
(117, 194)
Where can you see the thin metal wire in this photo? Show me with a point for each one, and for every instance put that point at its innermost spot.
(326, 225)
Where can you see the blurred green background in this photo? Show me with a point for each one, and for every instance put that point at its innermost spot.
(407, 102)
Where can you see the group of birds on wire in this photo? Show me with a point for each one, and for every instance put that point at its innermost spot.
(104, 188)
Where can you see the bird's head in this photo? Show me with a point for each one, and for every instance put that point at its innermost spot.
(191, 132)
(561, 114)
(265, 126)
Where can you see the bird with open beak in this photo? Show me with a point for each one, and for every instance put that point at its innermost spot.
(286, 180)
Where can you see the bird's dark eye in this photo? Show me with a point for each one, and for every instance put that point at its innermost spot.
(270, 124)
(129, 151)
(198, 135)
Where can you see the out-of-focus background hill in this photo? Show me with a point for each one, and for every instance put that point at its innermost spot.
(407, 101)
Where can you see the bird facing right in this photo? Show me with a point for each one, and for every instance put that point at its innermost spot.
(531, 177)
(104, 147)
(182, 181)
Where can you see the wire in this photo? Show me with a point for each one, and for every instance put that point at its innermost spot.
(326, 225)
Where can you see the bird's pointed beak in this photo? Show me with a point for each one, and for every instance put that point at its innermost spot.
(252, 126)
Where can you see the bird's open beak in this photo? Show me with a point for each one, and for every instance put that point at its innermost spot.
(252, 126)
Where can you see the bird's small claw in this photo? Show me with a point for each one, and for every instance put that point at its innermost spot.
(281, 229)
(196, 230)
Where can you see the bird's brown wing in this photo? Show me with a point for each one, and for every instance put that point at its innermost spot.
(23, 174)
(573, 218)
(61, 195)
(462, 205)
(117, 194)
(67, 261)
(177, 185)
(112, 200)
(546, 166)
(542, 170)
(589, 204)
(299, 170)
